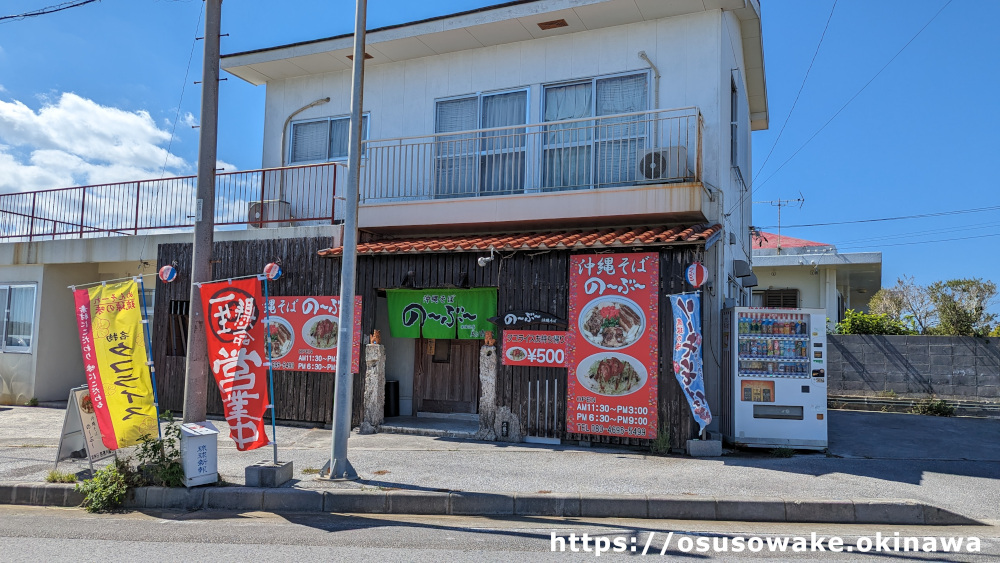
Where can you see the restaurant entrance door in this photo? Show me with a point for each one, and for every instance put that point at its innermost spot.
(446, 376)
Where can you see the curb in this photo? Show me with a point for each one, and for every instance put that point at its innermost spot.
(857, 511)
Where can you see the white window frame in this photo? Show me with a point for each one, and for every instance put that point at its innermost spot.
(480, 153)
(593, 141)
(329, 120)
(5, 313)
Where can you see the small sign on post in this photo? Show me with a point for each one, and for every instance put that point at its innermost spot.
(81, 437)
(199, 453)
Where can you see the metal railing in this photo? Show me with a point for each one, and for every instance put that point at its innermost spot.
(299, 195)
(659, 146)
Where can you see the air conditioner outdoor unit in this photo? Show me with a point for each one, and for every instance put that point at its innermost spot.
(269, 214)
(664, 165)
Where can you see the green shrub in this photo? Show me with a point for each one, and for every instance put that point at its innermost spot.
(159, 460)
(106, 491)
(32, 402)
(933, 406)
(856, 322)
(60, 477)
(782, 452)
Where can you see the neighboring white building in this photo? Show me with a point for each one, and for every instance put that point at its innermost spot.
(793, 272)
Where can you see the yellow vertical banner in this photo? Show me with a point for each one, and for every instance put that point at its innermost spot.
(115, 360)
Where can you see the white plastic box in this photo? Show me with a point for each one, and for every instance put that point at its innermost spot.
(200, 453)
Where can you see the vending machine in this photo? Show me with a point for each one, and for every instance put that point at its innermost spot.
(774, 377)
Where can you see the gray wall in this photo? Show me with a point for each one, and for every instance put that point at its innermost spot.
(948, 366)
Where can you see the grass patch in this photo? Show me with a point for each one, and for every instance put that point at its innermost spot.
(661, 444)
(782, 452)
(60, 477)
(932, 406)
(32, 402)
(310, 471)
(886, 394)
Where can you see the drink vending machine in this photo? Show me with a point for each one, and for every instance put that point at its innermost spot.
(774, 377)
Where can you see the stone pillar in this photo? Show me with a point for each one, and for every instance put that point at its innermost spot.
(487, 392)
(374, 413)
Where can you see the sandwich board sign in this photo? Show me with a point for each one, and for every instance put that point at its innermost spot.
(81, 437)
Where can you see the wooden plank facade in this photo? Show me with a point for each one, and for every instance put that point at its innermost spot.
(525, 280)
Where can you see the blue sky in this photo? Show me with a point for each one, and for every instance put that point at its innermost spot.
(919, 139)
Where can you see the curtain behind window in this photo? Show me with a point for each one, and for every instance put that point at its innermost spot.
(20, 318)
(622, 139)
(340, 136)
(566, 161)
(456, 165)
(309, 141)
(502, 163)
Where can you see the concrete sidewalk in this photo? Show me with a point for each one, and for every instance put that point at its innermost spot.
(953, 464)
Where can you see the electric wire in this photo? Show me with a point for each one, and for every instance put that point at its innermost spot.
(899, 218)
(47, 10)
(932, 241)
(177, 117)
(799, 93)
(858, 93)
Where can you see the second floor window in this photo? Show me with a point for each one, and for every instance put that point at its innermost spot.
(481, 162)
(321, 140)
(598, 152)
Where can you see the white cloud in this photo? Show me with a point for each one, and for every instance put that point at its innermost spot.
(189, 119)
(75, 141)
(223, 166)
(2, 89)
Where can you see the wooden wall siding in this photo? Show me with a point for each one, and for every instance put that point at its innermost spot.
(300, 396)
(525, 280)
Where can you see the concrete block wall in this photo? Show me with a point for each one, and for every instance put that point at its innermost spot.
(959, 367)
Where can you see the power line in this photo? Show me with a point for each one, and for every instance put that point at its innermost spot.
(858, 93)
(746, 193)
(183, 87)
(801, 87)
(899, 218)
(911, 234)
(924, 241)
(48, 10)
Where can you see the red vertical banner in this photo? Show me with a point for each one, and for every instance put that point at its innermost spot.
(234, 325)
(84, 323)
(613, 356)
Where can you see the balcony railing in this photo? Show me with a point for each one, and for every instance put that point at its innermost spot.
(652, 147)
(274, 197)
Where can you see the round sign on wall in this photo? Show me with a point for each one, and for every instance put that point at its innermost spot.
(696, 274)
(167, 273)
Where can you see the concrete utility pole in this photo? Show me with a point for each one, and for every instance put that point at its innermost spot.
(340, 467)
(197, 367)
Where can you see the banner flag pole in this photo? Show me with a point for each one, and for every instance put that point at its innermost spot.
(149, 354)
(270, 370)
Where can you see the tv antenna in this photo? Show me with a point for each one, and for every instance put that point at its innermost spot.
(779, 203)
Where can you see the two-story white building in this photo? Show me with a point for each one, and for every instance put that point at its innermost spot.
(524, 133)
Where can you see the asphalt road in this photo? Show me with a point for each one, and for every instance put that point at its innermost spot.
(58, 534)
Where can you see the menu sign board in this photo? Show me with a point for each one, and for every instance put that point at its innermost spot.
(304, 331)
(613, 354)
(538, 348)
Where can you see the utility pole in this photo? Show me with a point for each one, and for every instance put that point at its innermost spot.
(197, 368)
(340, 467)
(779, 203)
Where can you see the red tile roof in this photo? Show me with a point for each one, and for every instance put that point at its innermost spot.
(770, 240)
(557, 240)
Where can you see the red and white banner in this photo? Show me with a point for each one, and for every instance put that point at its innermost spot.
(304, 333)
(613, 355)
(235, 334)
(538, 348)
